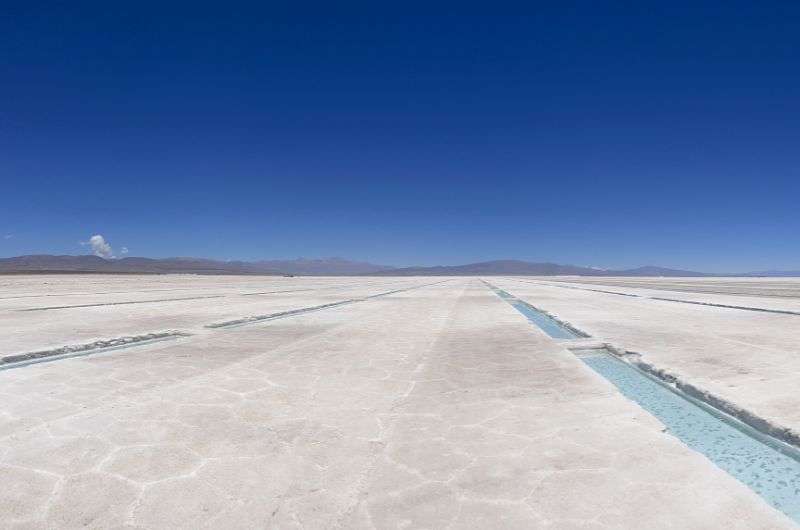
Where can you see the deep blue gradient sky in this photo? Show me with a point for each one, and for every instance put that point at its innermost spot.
(599, 134)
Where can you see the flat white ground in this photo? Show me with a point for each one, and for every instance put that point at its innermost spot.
(439, 406)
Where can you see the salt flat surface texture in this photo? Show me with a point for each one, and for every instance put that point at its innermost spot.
(439, 406)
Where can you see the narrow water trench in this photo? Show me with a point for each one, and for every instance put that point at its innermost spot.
(545, 322)
(770, 467)
(80, 350)
(292, 312)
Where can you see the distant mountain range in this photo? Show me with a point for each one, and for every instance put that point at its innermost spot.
(45, 263)
(322, 267)
(517, 267)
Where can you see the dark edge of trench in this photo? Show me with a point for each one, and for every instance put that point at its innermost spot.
(25, 359)
(292, 312)
(674, 300)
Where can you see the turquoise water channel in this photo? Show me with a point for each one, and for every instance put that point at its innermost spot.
(767, 466)
(545, 322)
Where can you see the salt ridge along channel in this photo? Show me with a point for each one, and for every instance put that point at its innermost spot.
(768, 466)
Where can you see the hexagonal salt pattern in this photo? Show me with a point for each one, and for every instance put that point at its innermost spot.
(434, 408)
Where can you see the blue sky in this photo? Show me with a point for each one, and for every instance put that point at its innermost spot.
(597, 134)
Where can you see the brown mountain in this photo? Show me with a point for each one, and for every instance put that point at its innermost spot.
(46, 263)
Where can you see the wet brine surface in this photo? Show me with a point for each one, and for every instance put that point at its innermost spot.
(541, 319)
(768, 467)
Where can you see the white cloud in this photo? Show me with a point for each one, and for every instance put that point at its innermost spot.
(124, 250)
(99, 246)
